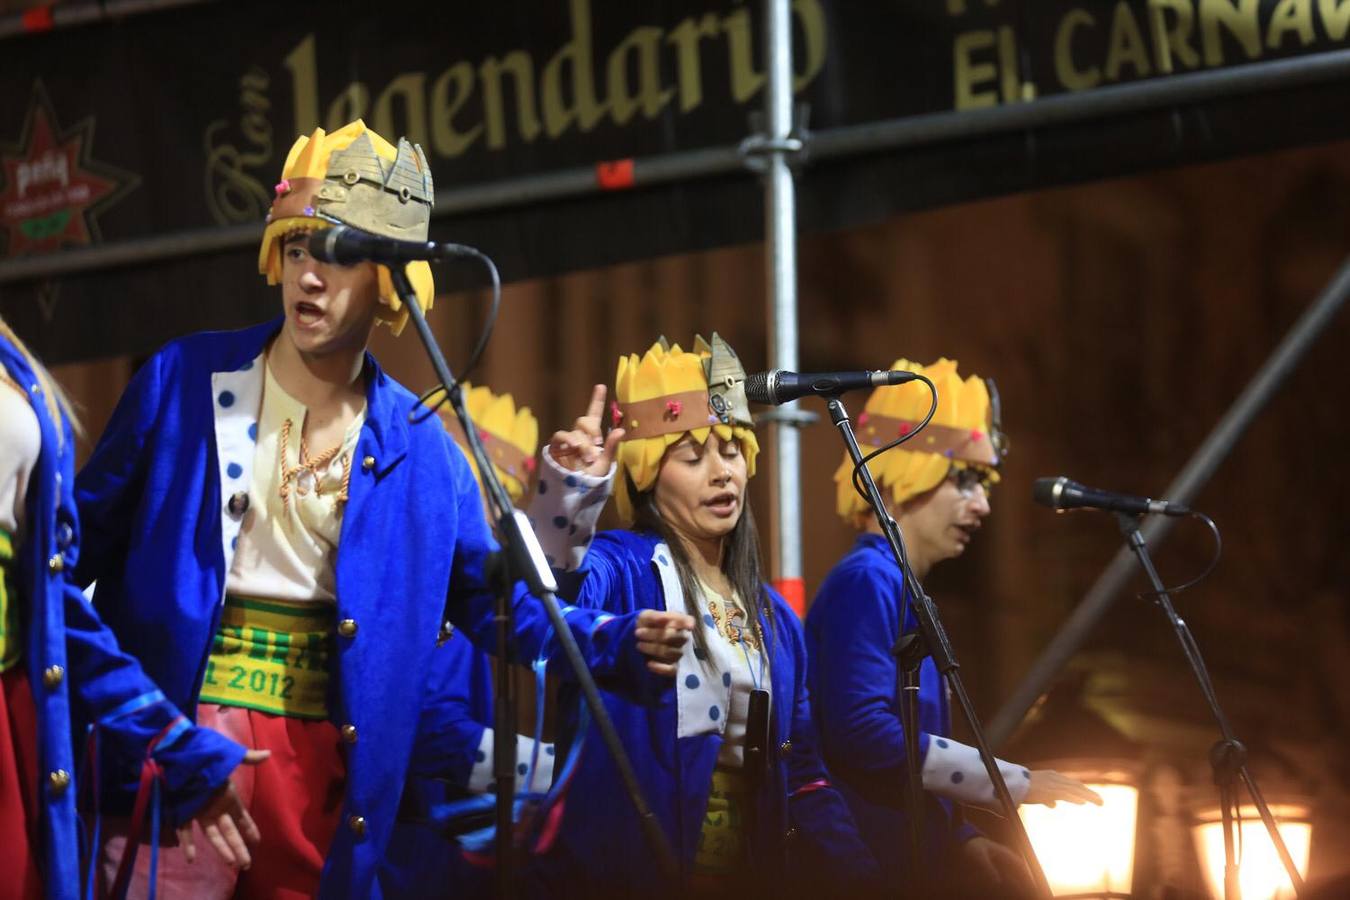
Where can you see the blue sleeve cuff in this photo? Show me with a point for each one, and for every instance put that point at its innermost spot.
(196, 764)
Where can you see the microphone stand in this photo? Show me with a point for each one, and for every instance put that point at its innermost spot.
(524, 560)
(910, 650)
(1228, 757)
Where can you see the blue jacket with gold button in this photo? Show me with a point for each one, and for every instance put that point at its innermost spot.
(801, 836)
(74, 664)
(159, 536)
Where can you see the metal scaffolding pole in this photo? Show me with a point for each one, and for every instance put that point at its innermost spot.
(832, 144)
(1197, 472)
(780, 270)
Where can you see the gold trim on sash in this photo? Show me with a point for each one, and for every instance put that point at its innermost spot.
(11, 638)
(274, 656)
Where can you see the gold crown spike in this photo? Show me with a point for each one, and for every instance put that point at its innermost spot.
(411, 172)
(360, 189)
(726, 381)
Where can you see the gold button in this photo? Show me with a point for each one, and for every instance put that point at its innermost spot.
(791, 834)
(349, 733)
(52, 675)
(785, 747)
(368, 463)
(358, 825)
(56, 563)
(60, 780)
(347, 628)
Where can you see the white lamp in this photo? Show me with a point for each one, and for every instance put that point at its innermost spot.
(1261, 875)
(1088, 850)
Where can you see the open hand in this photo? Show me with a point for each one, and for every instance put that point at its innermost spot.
(225, 822)
(583, 449)
(1049, 787)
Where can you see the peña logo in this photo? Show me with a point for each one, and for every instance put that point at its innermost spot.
(51, 191)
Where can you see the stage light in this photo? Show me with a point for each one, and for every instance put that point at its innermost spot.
(1261, 876)
(1088, 850)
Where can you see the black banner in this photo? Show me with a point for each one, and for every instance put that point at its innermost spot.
(181, 120)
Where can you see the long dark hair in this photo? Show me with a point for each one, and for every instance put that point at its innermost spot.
(740, 560)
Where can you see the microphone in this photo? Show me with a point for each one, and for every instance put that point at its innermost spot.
(345, 245)
(1063, 494)
(777, 386)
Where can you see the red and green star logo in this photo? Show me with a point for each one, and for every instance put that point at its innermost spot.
(51, 192)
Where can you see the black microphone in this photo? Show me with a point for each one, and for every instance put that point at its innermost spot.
(345, 245)
(1063, 494)
(778, 386)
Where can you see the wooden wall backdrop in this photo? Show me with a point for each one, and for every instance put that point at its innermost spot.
(1120, 320)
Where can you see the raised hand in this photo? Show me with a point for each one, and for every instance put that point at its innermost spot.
(583, 449)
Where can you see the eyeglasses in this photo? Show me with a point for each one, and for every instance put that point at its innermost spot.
(968, 479)
(996, 435)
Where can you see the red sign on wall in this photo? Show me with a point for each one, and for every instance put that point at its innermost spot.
(51, 191)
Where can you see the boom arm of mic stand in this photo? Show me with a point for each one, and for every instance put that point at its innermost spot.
(931, 629)
(1229, 755)
(522, 564)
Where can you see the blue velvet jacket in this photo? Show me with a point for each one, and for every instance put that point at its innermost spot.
(801, 829)
(421, 862)
(853, 623)
(75, 667)
(158, 539)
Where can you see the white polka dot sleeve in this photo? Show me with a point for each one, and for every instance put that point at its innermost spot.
(953, 770)
(480, 776)
(564, 510)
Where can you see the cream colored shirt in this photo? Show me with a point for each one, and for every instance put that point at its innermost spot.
(20, 443)
(288, 545)
(742, 662)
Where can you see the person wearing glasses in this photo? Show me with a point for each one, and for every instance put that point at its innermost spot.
(937, 487)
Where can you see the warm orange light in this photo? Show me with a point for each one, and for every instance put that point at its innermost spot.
(1261, 875)
(1087, 849)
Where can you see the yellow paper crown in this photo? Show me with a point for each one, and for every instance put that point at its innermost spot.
(509, 434)
(307, 200)
(666, 391)
(960, 435)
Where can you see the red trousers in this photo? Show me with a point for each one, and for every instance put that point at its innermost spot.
(295, 797)
(19, 848)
